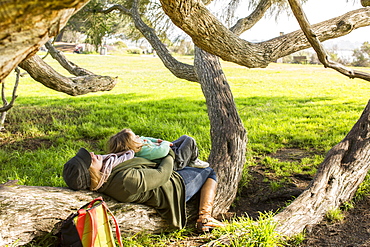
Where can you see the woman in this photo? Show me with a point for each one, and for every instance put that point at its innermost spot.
(153, 183)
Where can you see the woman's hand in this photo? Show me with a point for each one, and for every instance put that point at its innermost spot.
(96, 161)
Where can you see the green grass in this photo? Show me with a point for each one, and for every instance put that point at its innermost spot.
(283, 106)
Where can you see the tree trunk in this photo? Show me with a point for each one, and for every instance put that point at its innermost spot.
(336, 180)
(228, 134)
(28, 212)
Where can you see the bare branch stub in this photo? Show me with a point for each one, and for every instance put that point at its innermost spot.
(6, 105)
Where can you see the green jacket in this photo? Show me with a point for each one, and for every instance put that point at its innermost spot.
(139, 180)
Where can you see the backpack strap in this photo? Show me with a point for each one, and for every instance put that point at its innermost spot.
(118, 232)
(82, 216)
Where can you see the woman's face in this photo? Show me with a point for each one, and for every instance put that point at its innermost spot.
(96, 161)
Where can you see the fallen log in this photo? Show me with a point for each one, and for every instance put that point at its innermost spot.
(27, 212)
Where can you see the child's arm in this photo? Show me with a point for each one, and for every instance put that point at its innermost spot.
(155, 140)
(152, 152)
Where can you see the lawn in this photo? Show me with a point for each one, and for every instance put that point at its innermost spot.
(282, 106)
(304, 107)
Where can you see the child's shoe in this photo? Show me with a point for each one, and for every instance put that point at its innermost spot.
(199, 164)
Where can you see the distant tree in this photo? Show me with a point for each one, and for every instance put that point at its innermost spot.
(93, 24)
(362, 56)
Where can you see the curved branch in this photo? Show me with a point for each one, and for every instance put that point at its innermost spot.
(42, 72)
(6, 104)
(209, 34)
(68, 65)
(248, 22)
(317, 46)
(179, 69)
(329, 29)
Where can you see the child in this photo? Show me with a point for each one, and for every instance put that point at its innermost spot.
(150, 148)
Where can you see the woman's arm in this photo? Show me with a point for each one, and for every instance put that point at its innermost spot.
(141, 180)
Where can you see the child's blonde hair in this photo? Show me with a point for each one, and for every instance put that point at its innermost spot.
(123, 141)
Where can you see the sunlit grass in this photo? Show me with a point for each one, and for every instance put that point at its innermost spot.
(300, 106)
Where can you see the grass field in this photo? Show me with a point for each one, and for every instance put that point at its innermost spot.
(282, 106)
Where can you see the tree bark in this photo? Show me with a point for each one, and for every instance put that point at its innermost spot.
(42, 72)
(336, 180)
(228, 134)
(27, 25)
(311, 36)
(212, 36)
(28, 212)
(63, 61)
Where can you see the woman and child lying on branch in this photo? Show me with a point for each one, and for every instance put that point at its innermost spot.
(161, 174)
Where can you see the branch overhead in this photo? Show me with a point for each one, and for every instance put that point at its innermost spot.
(210, 35)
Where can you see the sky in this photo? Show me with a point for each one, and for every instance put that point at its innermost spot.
(316, 11)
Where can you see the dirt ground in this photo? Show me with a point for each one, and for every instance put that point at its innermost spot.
(353, 231)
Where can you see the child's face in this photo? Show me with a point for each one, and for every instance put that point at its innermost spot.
(135, 137)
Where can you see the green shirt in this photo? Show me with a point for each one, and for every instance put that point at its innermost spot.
(152, 149)
(139, 180)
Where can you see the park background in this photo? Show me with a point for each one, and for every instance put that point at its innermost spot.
(294, 113)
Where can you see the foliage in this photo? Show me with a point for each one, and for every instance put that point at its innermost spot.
(334, 215)
(362, 56)
(245, 231)
(95, 25)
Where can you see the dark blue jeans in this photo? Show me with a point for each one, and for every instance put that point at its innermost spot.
(194, 178)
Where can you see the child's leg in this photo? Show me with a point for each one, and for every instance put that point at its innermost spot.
(186, 151)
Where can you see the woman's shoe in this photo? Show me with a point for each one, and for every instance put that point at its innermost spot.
(207, 224)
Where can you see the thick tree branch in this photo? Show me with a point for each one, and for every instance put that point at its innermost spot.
(209, 34)
(365, 3)
(33, 211)
(317, 46)
(332, 28)
(22, 37)
(42, 72)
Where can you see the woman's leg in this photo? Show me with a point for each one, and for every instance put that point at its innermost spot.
(206, 222)
(205, 180)
(186, 151)
(194, 178)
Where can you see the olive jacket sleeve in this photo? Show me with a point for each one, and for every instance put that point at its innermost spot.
(142, 181)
